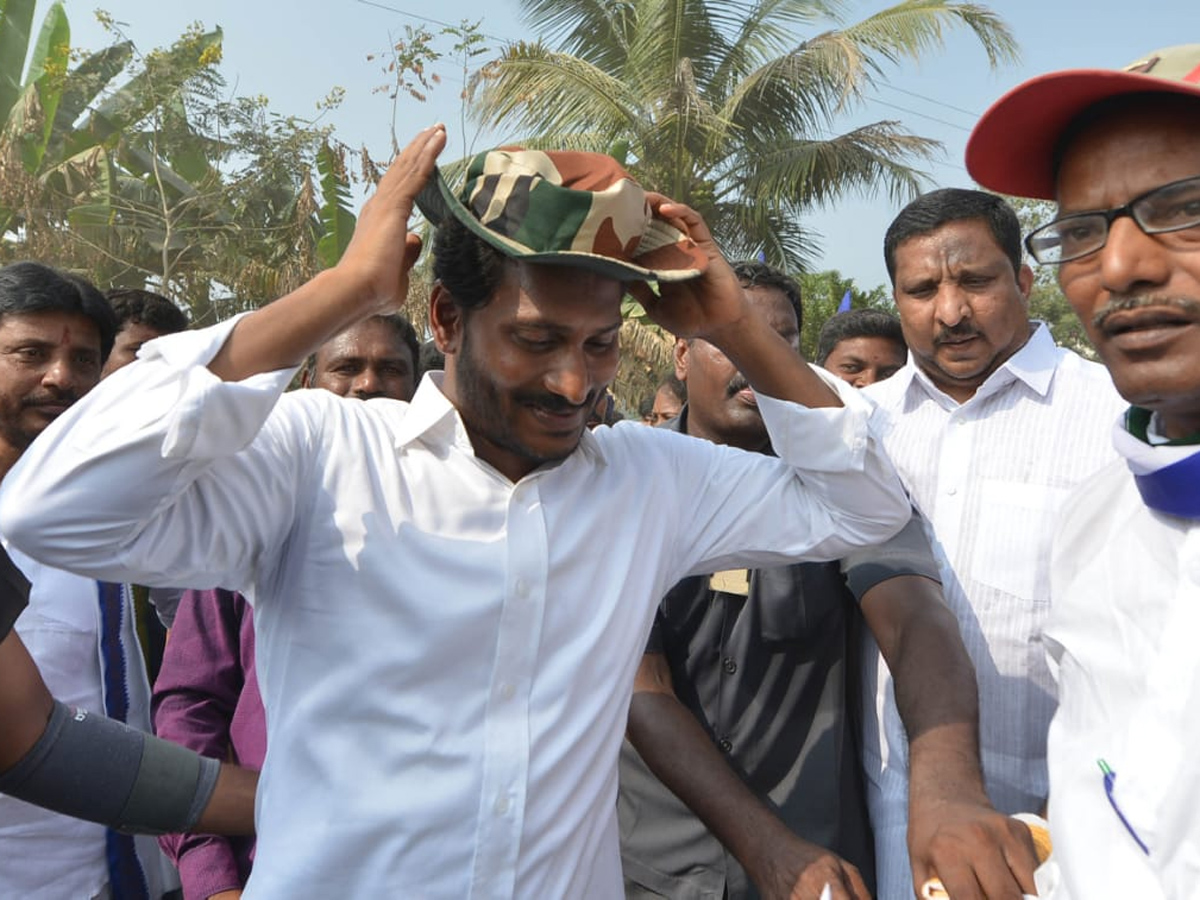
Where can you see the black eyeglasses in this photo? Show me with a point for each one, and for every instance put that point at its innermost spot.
(1170, 207)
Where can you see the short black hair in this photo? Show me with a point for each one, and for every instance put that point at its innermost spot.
(146, 308)
(931, 211)
(31, 287)
(404, 330)
(755, 273)
(858, 323)
(469, 268)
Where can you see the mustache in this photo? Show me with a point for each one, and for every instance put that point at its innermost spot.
(51, 397)
(737, 383)
(553, 403)
(956, 333)
(1122, 303)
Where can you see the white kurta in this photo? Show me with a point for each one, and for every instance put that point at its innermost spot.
(446, 657)
(989, 475)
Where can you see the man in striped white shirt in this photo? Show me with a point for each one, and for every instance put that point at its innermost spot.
(990, 425)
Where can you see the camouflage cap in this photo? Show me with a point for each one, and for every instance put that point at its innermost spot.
(564, 208)
(1012, 147)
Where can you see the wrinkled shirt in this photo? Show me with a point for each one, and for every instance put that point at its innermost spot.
(446, 657)
(1122, 642)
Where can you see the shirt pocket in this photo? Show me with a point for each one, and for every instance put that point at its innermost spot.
(1013, 534)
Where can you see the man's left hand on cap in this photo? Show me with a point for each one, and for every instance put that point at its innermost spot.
(701, 307)
(383, 251)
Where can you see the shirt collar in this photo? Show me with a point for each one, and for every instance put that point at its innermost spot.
(1033, 364)
(433, 419)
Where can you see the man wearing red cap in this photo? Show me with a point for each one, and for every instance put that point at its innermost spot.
(445, 659)
(1120, 153)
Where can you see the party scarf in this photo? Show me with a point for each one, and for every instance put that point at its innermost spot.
(1174, 487)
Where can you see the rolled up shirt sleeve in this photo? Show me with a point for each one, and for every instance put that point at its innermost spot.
(830, 490)
(126, 467)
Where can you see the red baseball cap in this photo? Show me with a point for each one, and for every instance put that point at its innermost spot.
(1012, 147)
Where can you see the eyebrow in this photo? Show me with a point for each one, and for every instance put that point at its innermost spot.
(557, 329)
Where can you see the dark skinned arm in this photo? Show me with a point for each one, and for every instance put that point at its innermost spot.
(682, 755)
(953, 830)
(25, 707)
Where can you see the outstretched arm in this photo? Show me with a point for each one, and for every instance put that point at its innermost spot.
(679, 752)
(98, 769)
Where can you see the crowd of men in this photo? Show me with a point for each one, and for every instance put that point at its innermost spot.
(916, 621)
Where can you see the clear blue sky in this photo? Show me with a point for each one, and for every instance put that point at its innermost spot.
(295, 52)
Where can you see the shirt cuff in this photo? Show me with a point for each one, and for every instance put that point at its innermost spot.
(208, 868)
(212, 418)
(824, 439)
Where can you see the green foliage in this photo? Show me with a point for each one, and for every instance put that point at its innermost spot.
(722, 106)
(822, 294)
(1046, 300)
(137, 169)
(337, 221)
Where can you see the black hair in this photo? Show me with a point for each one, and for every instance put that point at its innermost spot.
(404, 330)
(146, 308)
(30, 287)
(931, 211)
(470, 269)
(675, 386)
(753, 273)
(858, 323)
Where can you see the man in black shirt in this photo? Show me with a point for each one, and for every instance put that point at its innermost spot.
(746, 703)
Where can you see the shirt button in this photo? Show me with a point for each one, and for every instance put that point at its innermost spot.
(951, 491)
(521, 588)
(507, 691)
(501, 806)
(726, 744)
(729, 665)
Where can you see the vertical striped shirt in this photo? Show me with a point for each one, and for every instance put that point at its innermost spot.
(989, 476)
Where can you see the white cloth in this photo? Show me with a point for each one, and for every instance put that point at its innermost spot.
(44, 855)
(1122, 637)
(989, 476)
(446, 658)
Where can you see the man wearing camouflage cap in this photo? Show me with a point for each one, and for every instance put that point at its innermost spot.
(1120, 153)
(445, 658)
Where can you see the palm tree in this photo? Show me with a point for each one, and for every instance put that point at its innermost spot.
(718, 104)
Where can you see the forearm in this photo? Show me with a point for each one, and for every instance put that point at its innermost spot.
(682, 755)
(937, 698)
(230, 809)
(282, 334)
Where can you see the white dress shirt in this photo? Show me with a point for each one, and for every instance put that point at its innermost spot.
(1122, 634)
(446, 657)
(989, 476)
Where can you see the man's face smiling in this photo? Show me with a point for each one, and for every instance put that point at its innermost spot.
(721, 406)
(525, 369)
(48, 360)
(1139, 295)
(962, 306)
